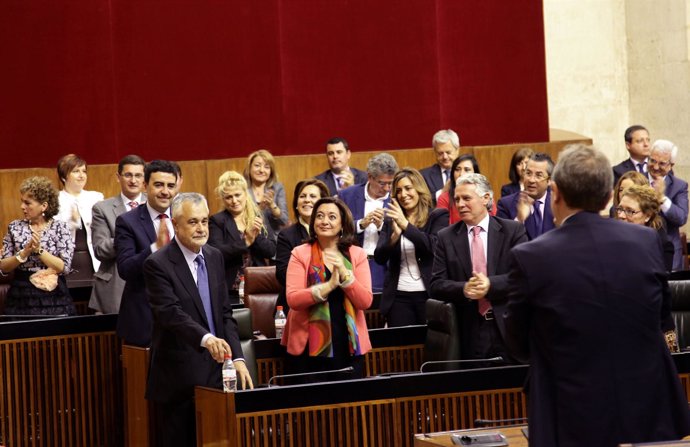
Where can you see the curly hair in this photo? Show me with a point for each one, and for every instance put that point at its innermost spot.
(41, 189)
(649, 201)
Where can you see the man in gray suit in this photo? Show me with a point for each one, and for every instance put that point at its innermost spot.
(107, 284)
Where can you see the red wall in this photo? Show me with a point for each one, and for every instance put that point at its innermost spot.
(194, 79)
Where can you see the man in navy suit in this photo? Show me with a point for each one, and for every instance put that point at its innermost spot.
(193, 327)
(637, 144)
(674, 191)
(586, 304)
(138, 233)
(532, 207)
(446, 146)
(367, 203)
(470, 268)
(340, 175)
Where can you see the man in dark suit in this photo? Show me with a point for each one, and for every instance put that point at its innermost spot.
(674, 191)
(637, 144)
(532, 207)
(471, 266)
(193, 327)
(107, 284)
(138, 233)
(367, 203)
(340, 175)
(446, 146)
(586, 305)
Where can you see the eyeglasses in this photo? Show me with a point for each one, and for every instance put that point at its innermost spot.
(384, 184)
(130, 176)
(661, 164)
(628, 212)
(538, 176)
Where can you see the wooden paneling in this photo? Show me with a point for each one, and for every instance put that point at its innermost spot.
(202, 175)
(135, 366)
(61, 391)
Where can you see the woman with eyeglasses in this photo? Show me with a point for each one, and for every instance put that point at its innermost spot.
(640, 205)
(406, 243)
(464, 164)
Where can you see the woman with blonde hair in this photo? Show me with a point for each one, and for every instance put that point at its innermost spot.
(406, 242)
(265, 189)
(238, 231)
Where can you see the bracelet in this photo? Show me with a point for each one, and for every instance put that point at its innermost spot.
(19, 258)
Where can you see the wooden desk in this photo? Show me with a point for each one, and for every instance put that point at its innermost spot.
(442, 439)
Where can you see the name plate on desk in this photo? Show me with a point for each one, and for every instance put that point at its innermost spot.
(495, 439)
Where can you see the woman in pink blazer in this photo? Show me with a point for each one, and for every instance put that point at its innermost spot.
(328, 289)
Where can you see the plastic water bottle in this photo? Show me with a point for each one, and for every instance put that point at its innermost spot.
(229, 375)
(280, 321)
(241, 289)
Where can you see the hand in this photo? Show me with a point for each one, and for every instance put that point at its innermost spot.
(253, 231)
(217, 347)
(659, 186)
(163, 236)
(395, 235)
(397, 215)
(334, 282)
(477, 287)
(267, 199)
(524, 206)
(336, 262)
(375, 217)
(346, 179)
(35, 241)
(243, 376)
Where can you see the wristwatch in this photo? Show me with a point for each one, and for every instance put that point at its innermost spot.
(19, 258)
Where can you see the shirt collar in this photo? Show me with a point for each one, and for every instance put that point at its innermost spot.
(368, 197)
(126, 199)
(154, 214)
(188, 254)
(483, 224)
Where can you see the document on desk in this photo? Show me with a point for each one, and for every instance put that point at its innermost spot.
(484, 440)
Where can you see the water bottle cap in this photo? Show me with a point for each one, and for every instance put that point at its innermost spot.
(279, 308)
(227, 356)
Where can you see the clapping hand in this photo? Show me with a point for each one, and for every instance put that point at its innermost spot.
(253, 231)
(477, 287)
(524, 206)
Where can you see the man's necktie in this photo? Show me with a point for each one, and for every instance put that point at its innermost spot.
(133, 204)
(204, 291)
(479, 265)
(446, 175)
(538, 217)
(640, 168)
(164, 222)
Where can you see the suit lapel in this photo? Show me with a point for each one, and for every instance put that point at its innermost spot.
(461, 246)
(493, 245)
(147, 223)
(215, 285)
(185, 276)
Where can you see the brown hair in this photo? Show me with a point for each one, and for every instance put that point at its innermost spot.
(635, 177)
(41, 189)
(67, 164)
(347, 237)
(648, 200)
(323, 190)
(421, 213)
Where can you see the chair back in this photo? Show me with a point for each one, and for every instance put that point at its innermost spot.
(680, 310)
(244, 328)
(261, 289)
(443, 332)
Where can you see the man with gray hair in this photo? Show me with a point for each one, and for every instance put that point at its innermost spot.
(367, 203)
(674, 193)
(446, 146)
(471, 268)
(193, 327)
(588, 305)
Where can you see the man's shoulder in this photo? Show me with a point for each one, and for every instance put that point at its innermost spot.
(323, 176)
(677, 183)
(429, 170)
(351, 192)
(451, 230)
(624, 166)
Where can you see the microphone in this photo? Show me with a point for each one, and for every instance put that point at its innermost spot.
(486, 422)
(463, 361)
(349, 369)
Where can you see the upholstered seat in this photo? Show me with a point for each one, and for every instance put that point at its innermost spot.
(5, 281)
(680, 309)
(246, 333)
(443, 332)
(261, 290)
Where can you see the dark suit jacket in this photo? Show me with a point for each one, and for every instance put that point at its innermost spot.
(178, 361)
(433, 178)
(424, 240)
(586, 306)
(288, 239)
(354, 199)
(676, 216)
(224, 236)
(107, 284)
(134, 234)
(507, 209)
(453, 267)
(327, 177)
(621, 168)
(509, 188)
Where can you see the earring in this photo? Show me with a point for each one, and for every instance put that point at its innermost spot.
(341, 232)
(43, 214)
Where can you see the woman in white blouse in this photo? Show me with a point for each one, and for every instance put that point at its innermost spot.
(75, 209)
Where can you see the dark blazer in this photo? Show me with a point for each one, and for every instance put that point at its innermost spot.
(453, 267)
(586, 306)
(509, 188)
(224, 235)
(354, 199)
(424, 240)
(433, 178)
(676, 216)
(178, 361)
(288, 239)
(327, 177)
(507, 209)
(134, 234)
(621, 168)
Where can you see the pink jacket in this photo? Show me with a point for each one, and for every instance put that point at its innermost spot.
(300, 299)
